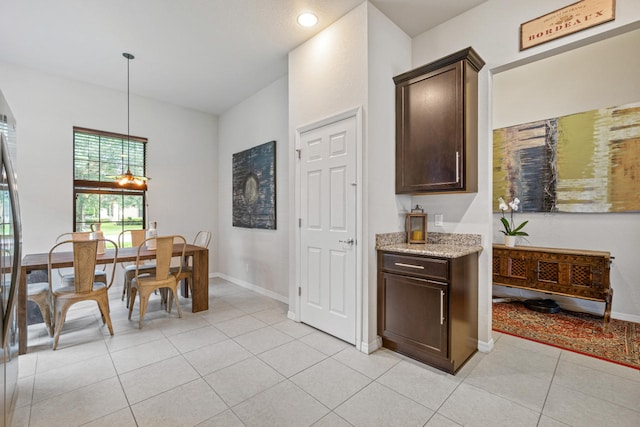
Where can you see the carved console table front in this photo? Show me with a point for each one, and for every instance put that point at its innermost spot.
(569, 272)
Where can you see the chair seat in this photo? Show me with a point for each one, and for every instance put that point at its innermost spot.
(70, 289)
(152, 278)
(186, 270)
(141, 268)
(67, 279)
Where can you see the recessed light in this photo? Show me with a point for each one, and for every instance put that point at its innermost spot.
(307, 19)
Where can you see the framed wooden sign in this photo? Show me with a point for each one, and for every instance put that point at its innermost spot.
(568, 20)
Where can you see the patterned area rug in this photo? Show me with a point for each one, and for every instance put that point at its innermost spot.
(579, 332)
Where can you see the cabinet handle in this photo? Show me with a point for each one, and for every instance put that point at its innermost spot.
(417, 267)
(441, 307)
(457, 166)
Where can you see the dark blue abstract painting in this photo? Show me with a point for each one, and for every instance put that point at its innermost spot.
(254, 187)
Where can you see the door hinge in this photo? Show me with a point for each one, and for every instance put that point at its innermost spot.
(299, 151)
(299, 222)
(299, 291)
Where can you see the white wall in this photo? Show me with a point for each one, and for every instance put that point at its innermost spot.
(327, 76)
(182, 146)
(352, 64)
(608, 77)
(389, 53)
(254, 258)
(493, 30)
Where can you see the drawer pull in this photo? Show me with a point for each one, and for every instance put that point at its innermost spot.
(441, 307)
(417, 267)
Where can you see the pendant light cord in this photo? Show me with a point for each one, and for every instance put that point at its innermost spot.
(129, 58)
(128, 117)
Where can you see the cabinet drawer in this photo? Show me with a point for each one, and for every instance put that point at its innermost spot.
(416, 266)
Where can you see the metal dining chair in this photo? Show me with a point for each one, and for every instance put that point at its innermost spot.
(85, 285)
(145, 283)
(185, 271)
(132, 238)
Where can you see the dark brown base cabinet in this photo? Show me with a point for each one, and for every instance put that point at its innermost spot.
(428, 307)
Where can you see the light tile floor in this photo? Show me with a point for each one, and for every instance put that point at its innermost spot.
(244, 363)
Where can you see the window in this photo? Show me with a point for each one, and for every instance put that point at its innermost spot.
(98, 158)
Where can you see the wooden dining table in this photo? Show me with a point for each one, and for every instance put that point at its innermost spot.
(33, 262)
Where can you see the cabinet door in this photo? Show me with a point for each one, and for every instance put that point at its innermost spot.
(429, 127)
(414, 314)
(582, 276)
(511, 267)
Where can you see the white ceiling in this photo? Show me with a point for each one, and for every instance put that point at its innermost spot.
(203, 54)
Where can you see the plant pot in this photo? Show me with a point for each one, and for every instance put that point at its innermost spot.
(510, 241)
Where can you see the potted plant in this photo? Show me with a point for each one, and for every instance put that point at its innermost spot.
(511, 232)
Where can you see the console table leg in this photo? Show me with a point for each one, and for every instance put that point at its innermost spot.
(607, 309)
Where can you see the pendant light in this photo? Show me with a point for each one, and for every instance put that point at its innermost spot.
(128, 179)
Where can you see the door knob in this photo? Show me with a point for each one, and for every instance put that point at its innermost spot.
(348, 241)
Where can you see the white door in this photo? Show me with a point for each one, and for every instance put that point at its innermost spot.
(328, 228)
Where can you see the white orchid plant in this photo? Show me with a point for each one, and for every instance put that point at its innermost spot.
(509, 227)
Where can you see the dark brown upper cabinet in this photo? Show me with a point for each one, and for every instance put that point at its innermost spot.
(437, 126)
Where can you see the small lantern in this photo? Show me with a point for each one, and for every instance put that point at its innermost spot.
(417, 225)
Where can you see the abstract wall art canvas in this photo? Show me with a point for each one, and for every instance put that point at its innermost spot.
(254, 187)
(583, 162)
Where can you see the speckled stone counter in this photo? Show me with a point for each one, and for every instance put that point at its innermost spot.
(444, 245)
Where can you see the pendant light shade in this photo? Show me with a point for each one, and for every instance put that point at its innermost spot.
(128, 179)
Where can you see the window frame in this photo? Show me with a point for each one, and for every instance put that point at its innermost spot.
(84, 186)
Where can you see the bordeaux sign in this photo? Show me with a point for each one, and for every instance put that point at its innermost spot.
(573, 18)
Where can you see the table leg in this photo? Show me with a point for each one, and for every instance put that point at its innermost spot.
(200, 291)
(184, 284)
(22, 312)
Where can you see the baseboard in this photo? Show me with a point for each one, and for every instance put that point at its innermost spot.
(254, 288)
(370, 347)
(485, 347)
(625, 317)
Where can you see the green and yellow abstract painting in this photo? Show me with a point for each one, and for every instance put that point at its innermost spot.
(583, 162)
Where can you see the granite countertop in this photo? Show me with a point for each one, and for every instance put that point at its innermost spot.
(443, 245)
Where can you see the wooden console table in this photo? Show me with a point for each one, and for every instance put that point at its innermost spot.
(568, 272)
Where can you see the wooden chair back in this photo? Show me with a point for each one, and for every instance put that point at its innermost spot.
(164, 253)
(77, 236)
(84, 264)
(85, 253)
(134, 236)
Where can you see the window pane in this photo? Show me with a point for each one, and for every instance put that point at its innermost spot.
(132, 212)
(115, 212)
(99, 157)
(112, 158)
(87, 211)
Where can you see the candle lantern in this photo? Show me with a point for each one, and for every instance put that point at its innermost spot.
(417, 225)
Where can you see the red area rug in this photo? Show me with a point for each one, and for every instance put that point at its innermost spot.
(579, 332)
